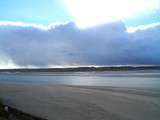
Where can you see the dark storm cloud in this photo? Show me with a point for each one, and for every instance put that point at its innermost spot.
(65, 44)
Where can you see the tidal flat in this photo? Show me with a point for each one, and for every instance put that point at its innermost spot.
(54, 102)
(129, 95)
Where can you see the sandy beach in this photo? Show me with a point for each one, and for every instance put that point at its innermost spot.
(82, 102)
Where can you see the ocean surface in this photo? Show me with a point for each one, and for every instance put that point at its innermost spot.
(142, 79)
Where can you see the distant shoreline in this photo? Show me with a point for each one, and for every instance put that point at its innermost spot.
(83, 69)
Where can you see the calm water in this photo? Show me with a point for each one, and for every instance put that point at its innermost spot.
(149, 79)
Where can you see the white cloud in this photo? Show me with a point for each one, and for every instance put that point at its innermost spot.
(142, 27)
(6, 62)
(64, 44)
(22, 24)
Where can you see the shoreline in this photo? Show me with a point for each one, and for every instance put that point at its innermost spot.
(83, 102)
(10, 113)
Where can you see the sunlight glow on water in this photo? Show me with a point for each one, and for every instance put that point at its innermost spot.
(149, 79)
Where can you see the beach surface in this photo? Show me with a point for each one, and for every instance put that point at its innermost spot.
(83, 102)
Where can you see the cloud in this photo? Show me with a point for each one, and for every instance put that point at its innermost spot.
(142, 27)
(65, 44)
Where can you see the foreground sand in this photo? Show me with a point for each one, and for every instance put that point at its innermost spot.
(83, 103)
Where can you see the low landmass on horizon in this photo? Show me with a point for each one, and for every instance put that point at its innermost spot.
(84, 69)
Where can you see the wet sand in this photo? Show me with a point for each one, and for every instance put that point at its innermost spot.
(83, 103)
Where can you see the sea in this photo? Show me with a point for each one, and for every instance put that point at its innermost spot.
(140, 78)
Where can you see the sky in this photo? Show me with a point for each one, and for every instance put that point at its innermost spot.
(37, 11)
(48, 33)
(46, 12)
